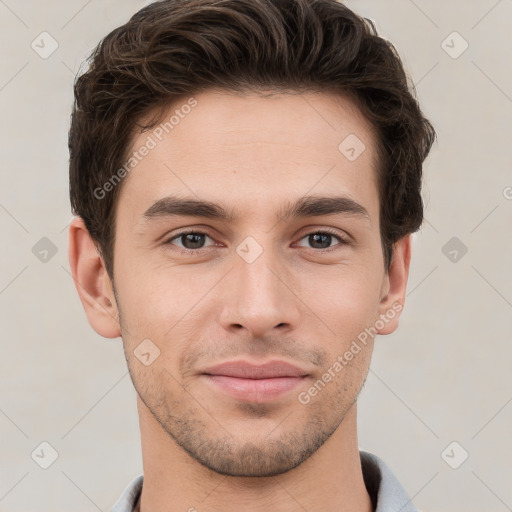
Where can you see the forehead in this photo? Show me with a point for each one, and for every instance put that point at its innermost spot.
(250, 148)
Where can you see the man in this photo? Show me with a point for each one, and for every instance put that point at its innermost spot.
(246, 175)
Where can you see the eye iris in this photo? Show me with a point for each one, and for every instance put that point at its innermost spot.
(197, 240)
(318, 237)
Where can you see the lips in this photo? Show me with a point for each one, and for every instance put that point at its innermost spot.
(246, 370)
(255, 382)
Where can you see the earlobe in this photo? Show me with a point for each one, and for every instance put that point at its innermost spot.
(395, 285)
(92, 281)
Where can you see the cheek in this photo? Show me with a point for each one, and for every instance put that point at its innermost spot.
(155, 298)
(344, 298)
(167, 307)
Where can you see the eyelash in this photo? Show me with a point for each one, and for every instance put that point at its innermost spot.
(327, 231)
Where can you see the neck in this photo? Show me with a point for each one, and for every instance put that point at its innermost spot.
(331, 480)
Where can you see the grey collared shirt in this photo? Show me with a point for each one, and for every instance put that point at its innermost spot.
(386, 492)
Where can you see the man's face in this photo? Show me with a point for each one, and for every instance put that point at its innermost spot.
(256, 288)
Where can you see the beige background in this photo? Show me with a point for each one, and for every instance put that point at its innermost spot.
(443, 377)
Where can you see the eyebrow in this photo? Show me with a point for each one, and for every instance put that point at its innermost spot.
(307, 206)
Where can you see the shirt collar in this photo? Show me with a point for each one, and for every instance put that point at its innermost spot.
(386, 492)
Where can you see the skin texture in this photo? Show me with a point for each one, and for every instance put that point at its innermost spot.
(297, 301)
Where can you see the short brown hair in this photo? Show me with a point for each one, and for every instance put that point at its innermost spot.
(173, 48)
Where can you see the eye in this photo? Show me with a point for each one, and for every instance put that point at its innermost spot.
(322, 239)
(192, 241)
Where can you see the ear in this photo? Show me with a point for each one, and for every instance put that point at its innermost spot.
(92, 281)
(394, 286)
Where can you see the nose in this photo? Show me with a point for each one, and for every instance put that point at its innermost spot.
(260, 297)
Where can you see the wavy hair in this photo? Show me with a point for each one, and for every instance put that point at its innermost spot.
(172, 48)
